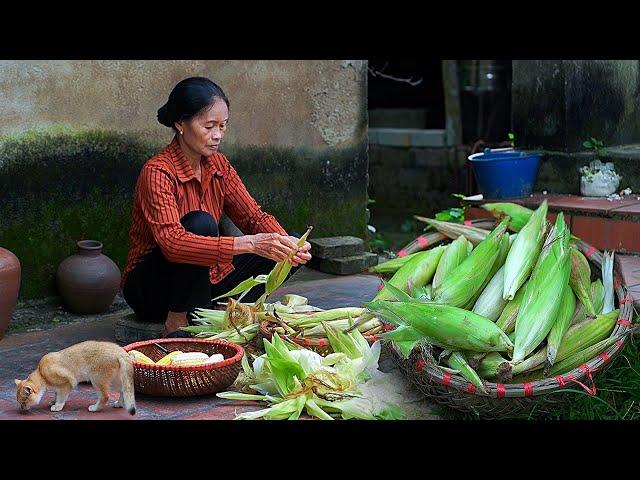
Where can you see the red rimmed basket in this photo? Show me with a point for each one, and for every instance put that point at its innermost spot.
(172, 381)
(319, 345)
(536, 399)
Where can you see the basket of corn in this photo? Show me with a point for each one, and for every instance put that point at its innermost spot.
(309, 329)
(181, 367)
(504, 325)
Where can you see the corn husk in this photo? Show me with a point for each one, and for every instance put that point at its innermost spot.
(454, 230)
(507, 319)
(457, 360)
(454, 255)
(561, 325)
(583, 356)
(494, 365)
(580, 280)
(466, 281)
(597, 297)
(451, 327)
(524, 252)
(543, 294)
(490, 303)
(519, 215)
(607, 281)
(577, 337)
(417, 272)
(393, 265)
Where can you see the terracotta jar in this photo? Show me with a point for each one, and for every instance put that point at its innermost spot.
(9, 286)
(88, 281)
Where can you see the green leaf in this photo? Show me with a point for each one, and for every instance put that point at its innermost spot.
(511, 136)
(246, 285)
(587, 144)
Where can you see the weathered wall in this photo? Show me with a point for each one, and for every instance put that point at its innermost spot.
(74, 135)
(287, 103)
(558, 104)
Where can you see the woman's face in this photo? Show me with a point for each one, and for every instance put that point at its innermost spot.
(203, 133)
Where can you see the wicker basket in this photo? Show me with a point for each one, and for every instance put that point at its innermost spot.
(172, 381)
(534, 399)
(319, 345)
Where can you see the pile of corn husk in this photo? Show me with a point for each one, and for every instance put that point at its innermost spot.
(500, 307)
(294, 380)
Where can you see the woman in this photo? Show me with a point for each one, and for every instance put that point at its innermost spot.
(177, 261)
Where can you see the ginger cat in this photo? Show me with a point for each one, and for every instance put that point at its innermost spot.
(101, 363)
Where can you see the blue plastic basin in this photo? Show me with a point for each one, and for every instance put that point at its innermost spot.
(505, 173)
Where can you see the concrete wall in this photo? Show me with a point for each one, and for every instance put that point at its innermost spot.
(558, 104)
(281, 103)
(74, 135)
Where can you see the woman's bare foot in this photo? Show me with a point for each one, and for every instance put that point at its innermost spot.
(174, 321)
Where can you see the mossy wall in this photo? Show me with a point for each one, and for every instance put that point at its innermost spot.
(62, 185)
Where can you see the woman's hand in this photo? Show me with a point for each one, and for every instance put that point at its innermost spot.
(303, 255)
(273, 246)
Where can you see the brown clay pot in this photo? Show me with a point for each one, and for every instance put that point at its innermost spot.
(9, 286)
(88, 281)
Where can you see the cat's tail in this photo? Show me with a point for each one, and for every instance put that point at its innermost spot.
(126, 382)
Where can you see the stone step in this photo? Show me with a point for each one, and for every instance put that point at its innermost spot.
(335, 247)
(129, 329)
(345, 265)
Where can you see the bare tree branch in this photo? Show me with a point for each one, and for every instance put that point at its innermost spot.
(378, 73)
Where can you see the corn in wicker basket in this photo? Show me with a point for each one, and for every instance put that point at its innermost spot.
(536, 399)
(175, 381)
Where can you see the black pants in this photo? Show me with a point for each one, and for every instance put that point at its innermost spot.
(157, 286)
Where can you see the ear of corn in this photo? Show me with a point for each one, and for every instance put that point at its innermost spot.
(466, 281)
(524, 252)
(507, 319)
(450, 326)
(494, 365)
(580, 280)
(457, 361)
(519, 215)
(393, 265)
(140, 357)
(490, 303)
(607, 281)
(417, 272)
(583, 356)
(597, 297)
(456, 252)
(543, 296)
(561, 325)
(454, 230)
(505, 245)
(423, 294)
(577, 337)
(166, 360)
(279, 273)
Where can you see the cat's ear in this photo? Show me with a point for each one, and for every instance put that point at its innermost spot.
(27, 390)
(18, 382)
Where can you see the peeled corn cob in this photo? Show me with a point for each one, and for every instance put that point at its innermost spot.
(166, 360)
(188, 359)
(140, 357)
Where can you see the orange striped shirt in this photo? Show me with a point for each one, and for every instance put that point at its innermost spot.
(167, 189)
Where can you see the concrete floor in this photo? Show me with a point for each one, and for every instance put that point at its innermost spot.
(21, 350)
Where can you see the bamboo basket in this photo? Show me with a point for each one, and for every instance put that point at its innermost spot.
(536, 399)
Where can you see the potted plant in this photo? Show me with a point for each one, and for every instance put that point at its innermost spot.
(598, 179)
